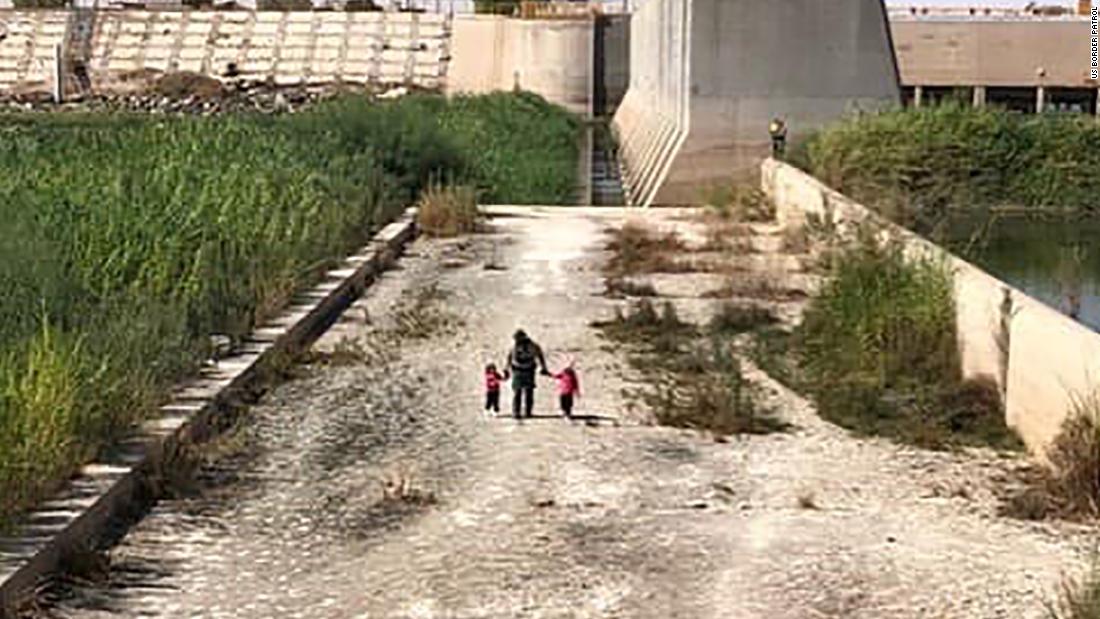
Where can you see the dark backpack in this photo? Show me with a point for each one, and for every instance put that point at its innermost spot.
(523, 357)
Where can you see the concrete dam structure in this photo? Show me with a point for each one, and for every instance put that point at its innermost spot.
(707, 76)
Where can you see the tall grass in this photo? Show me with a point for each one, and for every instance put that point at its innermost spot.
(447, 211)
(878, 350)
(693, 382)
(127, 240)
(1069, 485)
(913, 164)
(1078, 598)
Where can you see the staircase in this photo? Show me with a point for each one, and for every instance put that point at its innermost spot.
(605, 185)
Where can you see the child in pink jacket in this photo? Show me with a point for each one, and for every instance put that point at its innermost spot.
(569, 388)
(492, 388)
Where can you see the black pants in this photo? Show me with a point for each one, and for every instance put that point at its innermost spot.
(779, 145)
(492, 400)
(566, 404)
(526, 394)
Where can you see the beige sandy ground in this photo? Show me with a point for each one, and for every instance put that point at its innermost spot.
(545, 518)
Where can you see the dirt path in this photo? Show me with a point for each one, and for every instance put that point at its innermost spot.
(605, 518)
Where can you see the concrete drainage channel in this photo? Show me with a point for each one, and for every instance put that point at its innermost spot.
(601, 179)
(80, 517)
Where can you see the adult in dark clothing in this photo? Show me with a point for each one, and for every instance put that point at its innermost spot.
(523, 360)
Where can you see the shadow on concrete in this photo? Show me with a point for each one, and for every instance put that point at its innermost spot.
(591, 420)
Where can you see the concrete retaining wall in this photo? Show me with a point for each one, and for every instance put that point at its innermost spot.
(707, 76)
(1042, 360)
(992, 52)
(79, 516)
(653, 119)
(286, 47)
(554, 58)
(612, 63)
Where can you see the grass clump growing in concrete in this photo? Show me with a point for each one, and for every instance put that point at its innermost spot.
(1073, 483)
(622, 287)
(773, 350)
(1078, 598)
(447, 211)
(738, 202)
(878, 351)
(1068, 486)
(642, 325)
(638, 249)
(693, 381)
(732, 319)
(705, 389)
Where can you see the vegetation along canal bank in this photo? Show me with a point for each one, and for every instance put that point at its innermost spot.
(128, 240)
(1018, 195)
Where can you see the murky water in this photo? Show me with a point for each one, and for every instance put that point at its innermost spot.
(1055, 259)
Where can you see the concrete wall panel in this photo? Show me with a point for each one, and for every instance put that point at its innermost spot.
(993, 53)
(1042, 360)
(657, 98)
(1054, 362)
(612, 58)
(980, 320)
(553, 58)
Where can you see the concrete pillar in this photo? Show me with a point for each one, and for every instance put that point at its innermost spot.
(1040, 99)
(979, 96)
(918, 94)
(58, 74)
(592, 60)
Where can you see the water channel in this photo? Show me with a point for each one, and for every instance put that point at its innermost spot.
(1054, 258)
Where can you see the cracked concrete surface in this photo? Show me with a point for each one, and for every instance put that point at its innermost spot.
(611, 517)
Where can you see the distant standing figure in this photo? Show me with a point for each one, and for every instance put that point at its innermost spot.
(524, 358)
(569, 389)
(492, 388)
(778, 131)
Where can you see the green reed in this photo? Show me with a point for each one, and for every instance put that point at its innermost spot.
(914, 164)
(127, 240)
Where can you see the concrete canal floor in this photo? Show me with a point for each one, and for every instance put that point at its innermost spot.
(371, 484)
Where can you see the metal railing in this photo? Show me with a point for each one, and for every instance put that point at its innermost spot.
(939, 13)
(529, 9)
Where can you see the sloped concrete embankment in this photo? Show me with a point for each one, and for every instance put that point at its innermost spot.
(77, 518)
(1042, 360)
(707, 76)
(282, 47)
